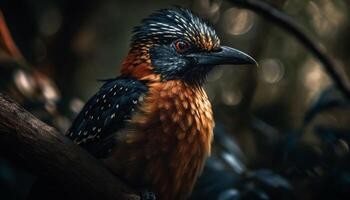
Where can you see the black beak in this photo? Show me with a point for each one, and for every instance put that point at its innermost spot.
(223, 56)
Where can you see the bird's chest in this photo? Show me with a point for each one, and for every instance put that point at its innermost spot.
(178, 121)
(175, 114)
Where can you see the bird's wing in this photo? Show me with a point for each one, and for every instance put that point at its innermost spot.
(105, 114)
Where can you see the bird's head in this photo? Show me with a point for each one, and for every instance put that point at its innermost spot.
(176, 44)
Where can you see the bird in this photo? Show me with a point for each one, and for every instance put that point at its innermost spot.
(152, 126)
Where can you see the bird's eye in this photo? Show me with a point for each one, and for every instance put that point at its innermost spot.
(181, 46)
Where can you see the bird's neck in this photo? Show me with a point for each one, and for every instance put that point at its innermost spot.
(138, 65)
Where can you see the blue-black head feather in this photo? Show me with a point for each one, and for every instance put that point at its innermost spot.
(167, 25)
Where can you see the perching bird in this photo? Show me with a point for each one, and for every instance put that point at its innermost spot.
(153, 125)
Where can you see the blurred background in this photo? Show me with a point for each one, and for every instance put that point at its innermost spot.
(282, 132)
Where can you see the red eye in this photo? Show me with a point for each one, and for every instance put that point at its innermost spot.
(181, 46)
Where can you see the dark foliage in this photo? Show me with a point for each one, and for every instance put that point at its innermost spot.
(300, 170)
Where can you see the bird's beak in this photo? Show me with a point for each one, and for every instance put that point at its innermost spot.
(224, 56)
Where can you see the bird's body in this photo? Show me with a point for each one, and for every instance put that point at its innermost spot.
(153, 134)
(153, 125)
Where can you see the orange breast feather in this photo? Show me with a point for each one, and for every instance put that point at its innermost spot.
(168, 140)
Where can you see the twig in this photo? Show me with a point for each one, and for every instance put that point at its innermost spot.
(42, 150)
(290, 26)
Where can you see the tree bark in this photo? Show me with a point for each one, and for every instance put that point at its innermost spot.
(42, 150)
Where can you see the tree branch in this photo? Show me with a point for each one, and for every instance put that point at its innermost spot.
(290, 26)
(42, 150)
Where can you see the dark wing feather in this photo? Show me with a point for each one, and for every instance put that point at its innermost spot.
(105, 114)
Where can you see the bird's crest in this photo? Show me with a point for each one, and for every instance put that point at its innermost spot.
(168, 25)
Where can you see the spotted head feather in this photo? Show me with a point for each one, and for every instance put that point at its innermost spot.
(168, 25)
